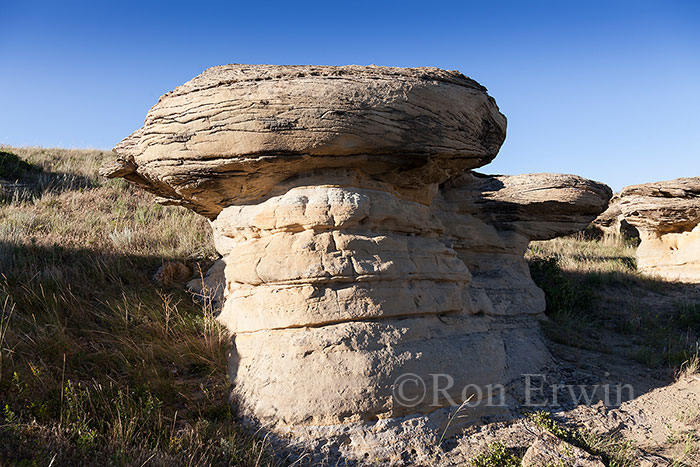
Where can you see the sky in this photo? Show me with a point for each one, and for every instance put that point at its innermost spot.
(609, 90)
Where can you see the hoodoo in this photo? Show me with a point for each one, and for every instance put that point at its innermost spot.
(357, 244)
(667, 215)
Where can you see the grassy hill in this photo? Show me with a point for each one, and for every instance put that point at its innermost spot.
(98, 364)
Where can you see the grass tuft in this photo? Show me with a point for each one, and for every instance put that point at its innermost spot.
(614, 450)
(690, 369)
(497, 455)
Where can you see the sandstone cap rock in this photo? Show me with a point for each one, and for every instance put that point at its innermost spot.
(233, 132)
(668, 206)
(540, 206)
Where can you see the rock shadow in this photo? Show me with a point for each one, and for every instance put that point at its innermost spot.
(619, 326)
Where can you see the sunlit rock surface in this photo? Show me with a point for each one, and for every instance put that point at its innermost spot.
(667, 215)
(357, 244)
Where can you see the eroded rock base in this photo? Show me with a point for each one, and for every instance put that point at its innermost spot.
(336, 294)
(673, 256)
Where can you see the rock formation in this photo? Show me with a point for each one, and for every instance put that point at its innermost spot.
(357, 245)
(172, 273)
(667, 215)
(612, 222)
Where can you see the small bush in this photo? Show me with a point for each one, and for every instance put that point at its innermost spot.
(569, 305)
(686, 317)
(615, 451)
(497, 455)
(13, 168)
(563, 296)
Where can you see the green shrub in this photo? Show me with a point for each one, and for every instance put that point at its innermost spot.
(615, 451)
(496, 456)
(564, 297)
(13, 168)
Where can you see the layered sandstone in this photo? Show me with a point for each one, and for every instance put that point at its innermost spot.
(612, 222)
(357, 244)
(667, 215)
(235, 132)
(492, 218)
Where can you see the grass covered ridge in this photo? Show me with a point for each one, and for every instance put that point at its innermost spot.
(98, 365)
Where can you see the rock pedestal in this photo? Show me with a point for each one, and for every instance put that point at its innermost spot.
(358, 247)
(667, 215)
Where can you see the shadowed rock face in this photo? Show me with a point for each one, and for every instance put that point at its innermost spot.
(357, 246)
(492, 219)
(667, 215)
(613, 222)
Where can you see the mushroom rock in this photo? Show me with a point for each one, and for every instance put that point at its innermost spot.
(493, 218)
(357, 245)
(667, 215)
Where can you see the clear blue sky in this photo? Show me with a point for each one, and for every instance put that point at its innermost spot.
(609, 90)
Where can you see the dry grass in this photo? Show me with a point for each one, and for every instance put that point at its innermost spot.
(595, 296)
(608, 255)
(98, 365)
(690, 369)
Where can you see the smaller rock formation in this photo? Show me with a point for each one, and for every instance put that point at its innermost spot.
(612, 222)
(667, 215)
(208, 286)
(172, 273)
(491, 219)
